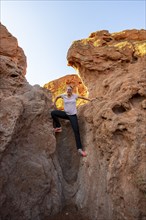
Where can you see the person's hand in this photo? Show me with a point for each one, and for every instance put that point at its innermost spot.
(53, 106)
(92, 99)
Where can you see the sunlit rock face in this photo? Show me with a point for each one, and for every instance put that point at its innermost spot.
(9, 49)
(59, 86)
(112, 179)
(104, 56)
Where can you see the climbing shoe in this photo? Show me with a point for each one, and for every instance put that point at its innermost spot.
(82, 153)
(57, 130)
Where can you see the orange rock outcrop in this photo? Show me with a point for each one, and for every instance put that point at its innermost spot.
(58, 86)
(10, 50)
(103, 54)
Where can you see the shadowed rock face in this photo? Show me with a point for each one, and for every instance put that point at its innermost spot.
(31, 178)
(41, 173)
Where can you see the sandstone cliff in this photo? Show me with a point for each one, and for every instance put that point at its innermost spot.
(30, 188)
(41, 173)
(113, 177)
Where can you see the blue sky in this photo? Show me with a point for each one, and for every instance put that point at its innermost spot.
(46, 29)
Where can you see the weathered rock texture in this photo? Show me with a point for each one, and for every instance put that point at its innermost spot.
(41, 173)
(58, 86)
(31, 179)
(112, 179)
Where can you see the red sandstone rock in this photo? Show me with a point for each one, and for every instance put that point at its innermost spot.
(9, 48)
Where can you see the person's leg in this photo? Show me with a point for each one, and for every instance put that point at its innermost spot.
(74, 123)
(58, 114)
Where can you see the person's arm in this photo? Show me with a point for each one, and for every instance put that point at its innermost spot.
(57, 97)
(81, 97)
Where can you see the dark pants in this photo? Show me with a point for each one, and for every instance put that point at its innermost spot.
(74, 123)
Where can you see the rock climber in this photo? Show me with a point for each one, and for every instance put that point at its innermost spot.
(69, 113)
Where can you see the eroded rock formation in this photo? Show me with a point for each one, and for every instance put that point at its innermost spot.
(104, 56)
(113, 177)
(41, 173)
(30, 186)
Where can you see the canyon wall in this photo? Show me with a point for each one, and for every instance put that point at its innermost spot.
(30, 185)
(40, 173)
(112, 178)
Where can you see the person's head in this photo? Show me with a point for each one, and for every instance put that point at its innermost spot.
(69, 90)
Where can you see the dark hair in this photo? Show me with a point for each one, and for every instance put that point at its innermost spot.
(70, 86)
